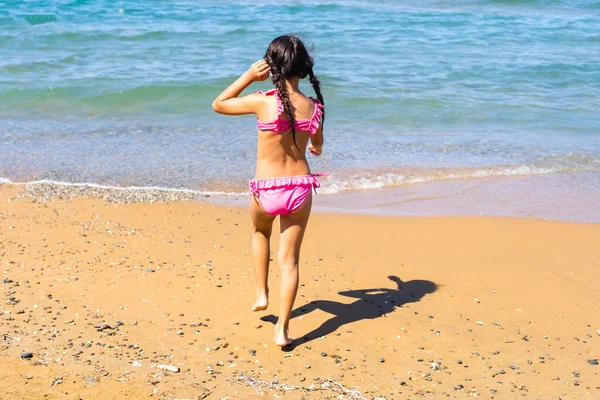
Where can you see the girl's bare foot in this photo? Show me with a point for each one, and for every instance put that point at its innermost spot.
(261, 303)
(281, 336)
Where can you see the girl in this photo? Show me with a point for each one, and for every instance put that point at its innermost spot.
(282, 185)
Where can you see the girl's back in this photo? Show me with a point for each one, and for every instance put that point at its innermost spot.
(279, 153)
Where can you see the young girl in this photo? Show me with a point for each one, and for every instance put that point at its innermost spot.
(282, 185)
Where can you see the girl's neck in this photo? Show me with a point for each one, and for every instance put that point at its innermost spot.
(292, 84)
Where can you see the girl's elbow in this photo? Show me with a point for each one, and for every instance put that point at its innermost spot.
(216, 106)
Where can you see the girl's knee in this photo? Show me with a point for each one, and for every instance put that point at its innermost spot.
(288, 264)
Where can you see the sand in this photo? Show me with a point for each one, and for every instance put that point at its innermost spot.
(102, 294)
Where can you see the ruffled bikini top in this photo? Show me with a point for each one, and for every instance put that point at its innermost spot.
(282, 125)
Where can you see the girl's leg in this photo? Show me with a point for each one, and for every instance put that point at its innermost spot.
(262, 224)
(292, 232)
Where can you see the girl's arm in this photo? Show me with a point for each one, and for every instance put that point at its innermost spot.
(316, 142)
(229, 103)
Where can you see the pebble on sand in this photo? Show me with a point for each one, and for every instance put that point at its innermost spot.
(593, 361)
(170, 368)
(26, 355)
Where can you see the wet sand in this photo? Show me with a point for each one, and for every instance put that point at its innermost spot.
(103, 293)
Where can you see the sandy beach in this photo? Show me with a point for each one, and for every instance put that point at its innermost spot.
(102, 294)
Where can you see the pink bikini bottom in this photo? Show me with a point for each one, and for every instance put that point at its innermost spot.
(283, 196)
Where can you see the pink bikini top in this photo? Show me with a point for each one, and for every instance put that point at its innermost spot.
(282, 125)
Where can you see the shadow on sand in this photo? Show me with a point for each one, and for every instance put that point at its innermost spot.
(371, 303)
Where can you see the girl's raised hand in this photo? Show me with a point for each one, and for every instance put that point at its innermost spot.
(259, 71)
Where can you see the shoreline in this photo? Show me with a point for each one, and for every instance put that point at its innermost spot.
(103, 293)
(560, 197)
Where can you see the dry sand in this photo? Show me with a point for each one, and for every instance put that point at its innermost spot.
(395, 308)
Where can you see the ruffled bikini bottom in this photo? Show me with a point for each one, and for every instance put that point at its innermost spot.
(283, 196)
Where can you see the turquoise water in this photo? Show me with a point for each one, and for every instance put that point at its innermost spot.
(119, 93)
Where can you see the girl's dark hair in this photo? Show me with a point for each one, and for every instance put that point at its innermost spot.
(288, 57)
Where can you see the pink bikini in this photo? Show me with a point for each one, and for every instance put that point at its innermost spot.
(283, 196)
(311, 125)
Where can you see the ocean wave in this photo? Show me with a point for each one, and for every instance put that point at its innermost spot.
(343, 181)
(89, 185)
(37, 19)
(72, 101)
(45, 189)
(338, 182)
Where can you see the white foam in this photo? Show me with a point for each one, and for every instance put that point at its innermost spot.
(374, 180)
(343, 180)
(121, 188)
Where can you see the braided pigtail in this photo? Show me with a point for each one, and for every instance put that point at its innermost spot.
(316, 84)
(288, 58)
(282, 92)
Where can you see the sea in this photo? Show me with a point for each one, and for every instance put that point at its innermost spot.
(462, 107)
